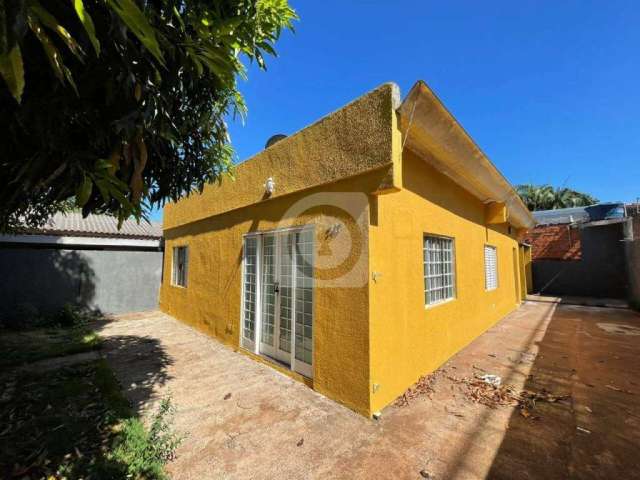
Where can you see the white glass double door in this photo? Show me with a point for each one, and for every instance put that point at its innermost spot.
(277, 312)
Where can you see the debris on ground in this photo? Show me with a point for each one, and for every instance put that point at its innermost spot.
(424, 386)
(425, 474)
(227, 396)
(618, 389)
(451, 412)
(300, 442)
(583, 430)
(489, 391)
(494, 380)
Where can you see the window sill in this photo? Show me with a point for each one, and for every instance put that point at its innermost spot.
(429, 306)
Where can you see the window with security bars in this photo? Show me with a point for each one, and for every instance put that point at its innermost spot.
(179, 273)
(490, 267)
(439, 269)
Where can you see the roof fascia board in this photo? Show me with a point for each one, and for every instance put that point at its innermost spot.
(79, 240)
(430, 130)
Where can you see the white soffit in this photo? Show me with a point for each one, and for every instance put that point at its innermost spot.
(432, 132)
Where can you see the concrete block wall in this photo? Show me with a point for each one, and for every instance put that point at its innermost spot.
(114, 281)
(632, 252)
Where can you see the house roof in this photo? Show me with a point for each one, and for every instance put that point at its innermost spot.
(561, 215)
(432, 131)
(611, 212)
(72, 224)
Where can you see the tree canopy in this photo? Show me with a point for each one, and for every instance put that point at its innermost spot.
(120, 105)
(546, 197)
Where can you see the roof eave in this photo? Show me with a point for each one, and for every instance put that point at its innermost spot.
(430, 130)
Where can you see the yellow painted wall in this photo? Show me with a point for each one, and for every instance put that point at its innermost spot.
(528, 274)
(407, 339)
(369, 331)
(348, 142)
(211, 301)
(350, 150)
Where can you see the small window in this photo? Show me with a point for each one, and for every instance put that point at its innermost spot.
(490, 267)
(439, 269)
(180, 264)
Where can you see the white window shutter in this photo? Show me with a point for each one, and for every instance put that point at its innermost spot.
(490, 267)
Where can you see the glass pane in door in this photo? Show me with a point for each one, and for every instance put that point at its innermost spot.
(304, 296)
(286, 277)
(249, 286)
(268, 289)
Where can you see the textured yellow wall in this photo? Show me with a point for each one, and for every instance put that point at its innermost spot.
(407, 339)
(348, 151)
(211, 300)
(346, 143)
(370, 331)
(528, 275)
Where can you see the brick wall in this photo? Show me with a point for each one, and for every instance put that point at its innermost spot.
(554, 242)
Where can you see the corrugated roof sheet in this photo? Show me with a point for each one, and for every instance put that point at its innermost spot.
(561, 215)
(98, 226)
(592, 213)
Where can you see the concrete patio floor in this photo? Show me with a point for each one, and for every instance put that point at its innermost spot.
(273, 427)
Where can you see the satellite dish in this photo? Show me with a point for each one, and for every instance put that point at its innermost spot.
(274, 139)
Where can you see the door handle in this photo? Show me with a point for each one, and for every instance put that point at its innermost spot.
(276, 287)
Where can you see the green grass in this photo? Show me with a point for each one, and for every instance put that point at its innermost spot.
(60, 423)
(31, 345)
(74, 422)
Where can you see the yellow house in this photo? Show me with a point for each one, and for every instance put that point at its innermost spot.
(355, 255)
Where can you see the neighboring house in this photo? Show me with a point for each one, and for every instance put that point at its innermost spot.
(580, 251)
(81, 261)
(355, 255)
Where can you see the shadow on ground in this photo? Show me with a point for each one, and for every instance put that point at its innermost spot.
(140, 363)
(592, 355)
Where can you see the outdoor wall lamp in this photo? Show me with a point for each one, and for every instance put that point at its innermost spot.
(270, 186)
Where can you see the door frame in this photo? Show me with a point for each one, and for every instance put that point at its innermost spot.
(295, 365)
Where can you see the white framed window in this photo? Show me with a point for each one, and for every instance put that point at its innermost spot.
(439, 269)
(180, 266)
(490, 267)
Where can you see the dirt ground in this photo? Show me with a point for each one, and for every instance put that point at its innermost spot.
(246, 420)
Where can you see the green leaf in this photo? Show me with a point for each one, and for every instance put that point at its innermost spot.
(102, 164)
(179, 17)
(87, 23)
(12, 70)
(104, 186)
(52, 23)
(267, 48)
(69, 77)
(135, 19)
(53, 55)
(84, 191)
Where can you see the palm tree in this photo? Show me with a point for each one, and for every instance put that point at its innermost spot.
(545, 197)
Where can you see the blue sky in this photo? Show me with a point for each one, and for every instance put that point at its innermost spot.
(548, 89)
